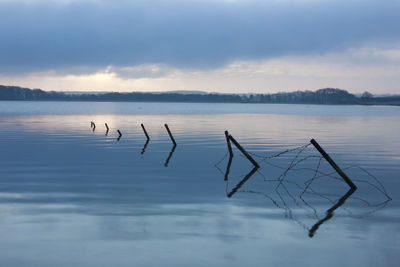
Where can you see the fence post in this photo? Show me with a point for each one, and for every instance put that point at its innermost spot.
(243, 151)
(170, 134)
(333, 164)
(145, 132)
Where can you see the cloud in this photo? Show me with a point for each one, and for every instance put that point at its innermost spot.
(142, 37)
(357, 70)
(140, 71)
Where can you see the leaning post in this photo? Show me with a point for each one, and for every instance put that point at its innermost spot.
(107, 128)
(333, 164)
(120, 134)
(243, 151)
(228, 143)
(145, 132)
(170, 134)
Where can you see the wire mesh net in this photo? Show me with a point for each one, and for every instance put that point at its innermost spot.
(301, 183)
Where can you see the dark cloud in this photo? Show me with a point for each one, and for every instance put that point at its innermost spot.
(193, 34)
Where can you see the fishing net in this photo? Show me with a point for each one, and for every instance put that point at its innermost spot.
(302, 183)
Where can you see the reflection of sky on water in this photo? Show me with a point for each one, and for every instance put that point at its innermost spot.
(60, 108)
(70, 196)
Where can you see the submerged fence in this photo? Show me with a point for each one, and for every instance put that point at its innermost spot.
(287, 188)
(291, 183)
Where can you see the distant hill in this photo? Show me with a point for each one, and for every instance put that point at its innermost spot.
(321, 96)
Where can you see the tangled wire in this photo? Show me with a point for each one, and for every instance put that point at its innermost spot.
(297, 174)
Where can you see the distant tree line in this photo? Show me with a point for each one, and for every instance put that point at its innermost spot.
(321, 96)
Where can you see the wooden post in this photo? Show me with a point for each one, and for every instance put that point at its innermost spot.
(228, 143)
(120, 134)
(333, 164)
(145, 132)
(94, 126)
(170, 134)
(243, 151)
(107, 128)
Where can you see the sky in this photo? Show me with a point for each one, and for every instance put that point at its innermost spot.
(226, 46)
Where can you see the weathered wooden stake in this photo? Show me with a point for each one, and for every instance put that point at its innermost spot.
(243, 151)
(333, 164)
(170, 134)
(107, 128)
(120, 134)
(145, 132)
(228, 143)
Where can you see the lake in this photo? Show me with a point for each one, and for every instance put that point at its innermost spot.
(71, 195)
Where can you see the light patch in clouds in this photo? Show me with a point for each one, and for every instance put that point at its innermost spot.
(140, 71)
(357, 70)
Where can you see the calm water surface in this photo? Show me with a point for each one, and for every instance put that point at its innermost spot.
(71, 196)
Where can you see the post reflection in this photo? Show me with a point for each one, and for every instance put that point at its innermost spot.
(228, 167)
(170, 155)
(145, 146)
(242, 182)
(330, 212)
